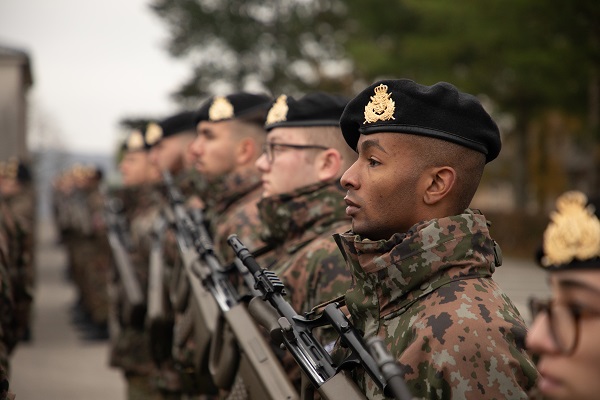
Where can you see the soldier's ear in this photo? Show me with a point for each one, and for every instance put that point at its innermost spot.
(329, 164)
(440, 181)
(246, 151)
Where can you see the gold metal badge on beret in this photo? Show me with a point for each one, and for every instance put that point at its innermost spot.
(573, 233)
(135, 141)
(381, 107)
(278, 111)
(220, 109)
(153, 133)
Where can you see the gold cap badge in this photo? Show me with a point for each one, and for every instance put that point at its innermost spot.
(278, 111)
(220, 109)
(381, 107)
(153, 133)
(135, 141)
(573, 233)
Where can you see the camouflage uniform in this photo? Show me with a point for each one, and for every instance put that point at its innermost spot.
(430, 296)
(301, 225)
(7, 313)
(131, 349)
(231, 208)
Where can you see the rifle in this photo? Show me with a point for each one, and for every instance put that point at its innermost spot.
(160, 325)
(241, 346)
(134, 307)
(287, 327)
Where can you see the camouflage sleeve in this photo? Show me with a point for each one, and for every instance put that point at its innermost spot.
(469, 348)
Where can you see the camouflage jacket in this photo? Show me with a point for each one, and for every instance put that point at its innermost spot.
(429, 295)
(131, 349)
(300, 225)
(231, 208)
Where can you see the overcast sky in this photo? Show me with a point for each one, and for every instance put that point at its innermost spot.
(94, 62)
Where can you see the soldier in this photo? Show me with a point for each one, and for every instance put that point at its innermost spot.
(565, 329)
(230, 139)
(170, 140)
(130, 350)
(17, 191)
(8, 331)
(302, 207)
(422, 261)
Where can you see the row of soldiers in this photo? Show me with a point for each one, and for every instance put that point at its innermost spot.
(358, 206)
(17, 269)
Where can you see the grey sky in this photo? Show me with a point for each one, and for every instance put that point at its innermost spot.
(93, 63)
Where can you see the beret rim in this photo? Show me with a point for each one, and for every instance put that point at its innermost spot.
(429, 132)
(590, 263)
(304, 123)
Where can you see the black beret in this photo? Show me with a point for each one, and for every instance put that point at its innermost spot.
(170, 126)
(233, 106)
(438, 111)
(572, 238)
(314, 109)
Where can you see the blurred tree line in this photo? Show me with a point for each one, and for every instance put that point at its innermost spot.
(534, 63)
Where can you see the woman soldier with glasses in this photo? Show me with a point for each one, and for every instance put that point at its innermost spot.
(565, 333)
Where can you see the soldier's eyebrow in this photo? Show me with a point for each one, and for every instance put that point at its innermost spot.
(577, 284)
(367, 144)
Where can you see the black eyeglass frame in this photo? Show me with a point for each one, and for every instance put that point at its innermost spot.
(269, 148)
(551, 307)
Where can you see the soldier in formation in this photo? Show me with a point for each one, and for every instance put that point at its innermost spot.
(362, 204)
(564, 333)
(422, 260)
(130, 346)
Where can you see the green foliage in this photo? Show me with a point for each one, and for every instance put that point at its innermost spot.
(282, 46)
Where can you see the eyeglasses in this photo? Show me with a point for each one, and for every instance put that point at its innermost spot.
(563, 321)
(269, 148)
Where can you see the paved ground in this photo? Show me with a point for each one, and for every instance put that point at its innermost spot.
(59, 365)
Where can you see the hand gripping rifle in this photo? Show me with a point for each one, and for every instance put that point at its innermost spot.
(295, 332)
(134, 306)
(241, 347)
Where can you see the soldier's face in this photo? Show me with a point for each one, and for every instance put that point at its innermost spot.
(286, 169)
(168, 154)
(214, 148)
(134, 167)
(383, 186)
(572, 376)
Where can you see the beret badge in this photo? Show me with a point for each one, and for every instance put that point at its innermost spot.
(278, 111)
(220, 109)
(381, 107)
(573, 233)
(135, 141)
(153, 133)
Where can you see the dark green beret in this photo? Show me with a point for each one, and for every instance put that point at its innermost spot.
(313, 109)
(439, 111)
(234, 106)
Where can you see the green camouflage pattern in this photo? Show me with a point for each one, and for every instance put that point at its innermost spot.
(429, 294)
(300, 226)
(130, 351)
(19, 225)
(231, 208)
(7, 313)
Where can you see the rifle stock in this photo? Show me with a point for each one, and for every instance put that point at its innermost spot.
(134, 307)
(159, 324)
(295, 332)
(260, 370)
